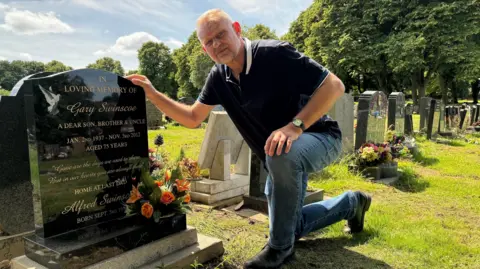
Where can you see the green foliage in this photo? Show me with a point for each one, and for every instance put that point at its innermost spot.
(56, 66)
(4, 92)
(157, 64)
(192, 65)
(259, 31)
(108, 64)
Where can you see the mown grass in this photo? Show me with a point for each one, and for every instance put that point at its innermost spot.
(429, 219)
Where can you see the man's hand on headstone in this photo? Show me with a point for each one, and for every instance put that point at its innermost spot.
(144, 82)
(285, 135)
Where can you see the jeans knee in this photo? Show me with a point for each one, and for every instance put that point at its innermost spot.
(281, 163)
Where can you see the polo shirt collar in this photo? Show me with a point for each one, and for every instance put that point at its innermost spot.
(249, 58)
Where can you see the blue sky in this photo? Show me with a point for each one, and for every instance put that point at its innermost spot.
(77, 32)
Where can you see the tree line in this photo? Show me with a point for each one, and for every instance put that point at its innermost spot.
(419, 47)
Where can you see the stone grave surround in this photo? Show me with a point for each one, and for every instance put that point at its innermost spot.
(396, 112)
(372, 118)
(222, 146)
(343, 112)
(100, 118)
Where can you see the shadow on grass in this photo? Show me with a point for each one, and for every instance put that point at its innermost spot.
(332, 253)
(424, 160)
(409, 181)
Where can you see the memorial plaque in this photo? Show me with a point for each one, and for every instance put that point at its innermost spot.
(396, 112)
(372, 113)
(88, 139)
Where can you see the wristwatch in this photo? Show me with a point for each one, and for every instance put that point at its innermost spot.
(299, 123)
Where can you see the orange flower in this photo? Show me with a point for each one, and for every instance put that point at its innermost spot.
(182, 185)
(159, 183)
(147, 210)
(167, 197)
(187, 198)
(135, 195)
(168, 175)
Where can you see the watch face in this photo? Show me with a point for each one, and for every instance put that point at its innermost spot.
(297, 122)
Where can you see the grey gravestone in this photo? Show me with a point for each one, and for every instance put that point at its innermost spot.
(88, 145)
(16, 204)
(408, 119)
(433, 127)
(396, 112)
(463, 115)
(424, 110)
(477, 114)
(342, 112)
(187, 100)
(441, 108)
(372, 118)
(473, 109)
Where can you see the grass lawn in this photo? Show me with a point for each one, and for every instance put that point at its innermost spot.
(430, 219)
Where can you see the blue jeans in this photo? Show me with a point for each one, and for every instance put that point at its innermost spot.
(286, 188)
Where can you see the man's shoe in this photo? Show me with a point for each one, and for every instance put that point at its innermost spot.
(270, 258)
(355, 225)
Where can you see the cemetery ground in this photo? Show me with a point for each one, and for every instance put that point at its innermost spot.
(430, 218)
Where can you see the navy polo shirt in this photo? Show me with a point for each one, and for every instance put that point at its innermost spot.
(276, 83)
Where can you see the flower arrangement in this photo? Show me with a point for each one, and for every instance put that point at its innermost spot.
(373, 154)
(162, 191)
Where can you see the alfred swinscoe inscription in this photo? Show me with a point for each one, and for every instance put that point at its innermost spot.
(88, 142)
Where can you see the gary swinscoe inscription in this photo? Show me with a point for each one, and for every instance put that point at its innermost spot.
(88, 141)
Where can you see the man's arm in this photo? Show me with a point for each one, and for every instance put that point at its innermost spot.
(322, 100)
(188, 116)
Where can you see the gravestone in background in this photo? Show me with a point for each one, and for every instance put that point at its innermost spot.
(442, 126)
(433, 126)
(463, 118)
(342, 112)
(16, 204)
(474, 113)
(408, 119)
(477, 113)
(154, 116)
(424, 110)
(372, 118)
(88, 146)
(222, 146)
(396, 112)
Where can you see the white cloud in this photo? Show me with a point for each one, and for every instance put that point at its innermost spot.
(3, 7)
(26, 56)
(3, 58)
(25, 22)
(172, 42)
(92, 4)
(129, 44)
(255, 6)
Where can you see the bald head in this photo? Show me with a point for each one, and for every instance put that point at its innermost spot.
(219, 35)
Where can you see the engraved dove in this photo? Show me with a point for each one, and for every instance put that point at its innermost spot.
(52, 99)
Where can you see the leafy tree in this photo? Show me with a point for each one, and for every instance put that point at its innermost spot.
(108, 64)
(12, 72)
(259, 31)
(56, 66)
(191, 54)
(157, 64)
(131, 72)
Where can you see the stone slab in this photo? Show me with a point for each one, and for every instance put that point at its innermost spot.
(260, 203)
(208, 199)
(133, 258)
(12, 246)
(248, 213)
(387, 181)
(205, 249)
(210, 186)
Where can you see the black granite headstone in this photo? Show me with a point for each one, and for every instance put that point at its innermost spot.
(433, 126)
(88, 145)
(477, 114)
(371, 118)
(408, 130)
(16, 204)
(424, 110)
(396, 112)
(463, 115)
